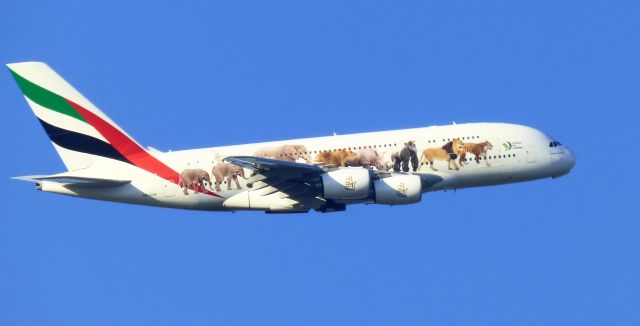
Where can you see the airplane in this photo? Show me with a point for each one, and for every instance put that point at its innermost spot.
(324, 174)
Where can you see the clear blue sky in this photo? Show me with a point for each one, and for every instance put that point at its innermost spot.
(183, 75)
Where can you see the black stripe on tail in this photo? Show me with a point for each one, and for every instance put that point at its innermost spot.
(81, 143)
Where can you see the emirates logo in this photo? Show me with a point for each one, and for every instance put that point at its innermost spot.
(349, 183)
(402, 190)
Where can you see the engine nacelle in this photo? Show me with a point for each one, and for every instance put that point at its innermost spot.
(346, 183)
(398, 190)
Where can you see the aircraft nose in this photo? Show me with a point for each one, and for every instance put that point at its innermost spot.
(563, 163)
(567, 163)
(571, 159)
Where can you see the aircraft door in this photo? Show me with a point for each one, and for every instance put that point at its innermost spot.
(531, 155)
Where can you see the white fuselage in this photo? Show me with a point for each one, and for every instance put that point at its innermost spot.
(518, 153)
(324, 173)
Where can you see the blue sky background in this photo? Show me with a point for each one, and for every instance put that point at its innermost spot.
(182, 75)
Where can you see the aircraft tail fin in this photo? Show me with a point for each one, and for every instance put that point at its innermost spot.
(79, 131)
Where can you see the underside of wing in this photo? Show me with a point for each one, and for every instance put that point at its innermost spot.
(285, 184)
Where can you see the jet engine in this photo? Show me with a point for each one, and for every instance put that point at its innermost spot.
(398, 190)
(346, 184)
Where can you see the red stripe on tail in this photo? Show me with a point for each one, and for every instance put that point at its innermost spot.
(128, 148)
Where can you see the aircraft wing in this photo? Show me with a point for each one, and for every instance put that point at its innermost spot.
(271, 166)
(298, 181)
(74, 181)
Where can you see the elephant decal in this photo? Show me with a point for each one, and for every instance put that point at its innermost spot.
(289, 153)
(195, 178)
(228, 171)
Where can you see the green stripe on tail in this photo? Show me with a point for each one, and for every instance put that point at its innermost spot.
(45, 97)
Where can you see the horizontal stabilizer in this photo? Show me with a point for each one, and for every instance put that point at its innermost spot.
(74, 181)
